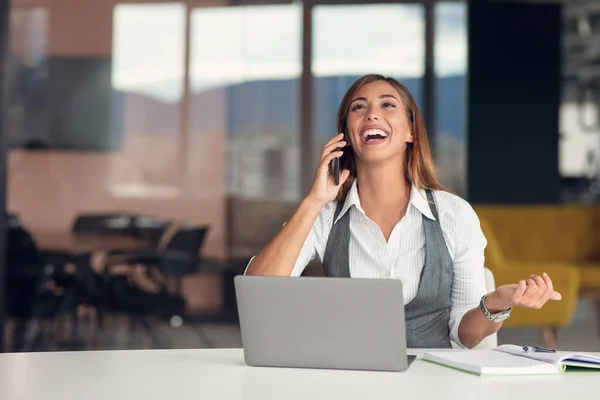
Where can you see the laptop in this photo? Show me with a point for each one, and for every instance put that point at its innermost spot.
(318, 322)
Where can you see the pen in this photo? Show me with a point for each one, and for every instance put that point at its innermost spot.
(535, 349)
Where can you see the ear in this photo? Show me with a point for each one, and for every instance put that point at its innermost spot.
(410, 137)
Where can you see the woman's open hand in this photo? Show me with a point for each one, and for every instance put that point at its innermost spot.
(530, 293)
(324, 188)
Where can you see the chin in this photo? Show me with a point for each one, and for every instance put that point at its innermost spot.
(379, 157)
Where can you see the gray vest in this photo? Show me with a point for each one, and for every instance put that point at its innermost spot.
(428, 314)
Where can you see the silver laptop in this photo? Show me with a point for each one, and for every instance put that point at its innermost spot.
(314, 322)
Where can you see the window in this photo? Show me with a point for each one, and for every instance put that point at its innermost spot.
(245, 100)
(148, 69)
(450, 103)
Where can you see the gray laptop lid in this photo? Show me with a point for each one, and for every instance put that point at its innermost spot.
(336, 323)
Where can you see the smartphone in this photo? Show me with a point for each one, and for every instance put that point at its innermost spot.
(335, 170)
(334, 165)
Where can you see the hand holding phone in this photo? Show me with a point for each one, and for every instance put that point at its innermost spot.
(330, 172)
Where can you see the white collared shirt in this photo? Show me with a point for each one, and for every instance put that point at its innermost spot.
(403, 256)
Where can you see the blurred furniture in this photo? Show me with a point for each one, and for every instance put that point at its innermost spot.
(68, 242)
(84, 291)
(222, 374)
(176, 255)
(560, 240)
(491, 341)
(148, 282)
(104, 223)
(150, 228)
(29, 297)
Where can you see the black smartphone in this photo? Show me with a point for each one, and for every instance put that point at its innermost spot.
(335, 170)
(334, 165)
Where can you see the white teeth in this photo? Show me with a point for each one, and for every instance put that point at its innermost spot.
(374, 132)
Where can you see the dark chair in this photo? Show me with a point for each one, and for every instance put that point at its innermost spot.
(182, 254)
(169, 262)
(28, 301)
(150, 228)
(179, 257)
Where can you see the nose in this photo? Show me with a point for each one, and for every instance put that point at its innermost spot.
(371, 116)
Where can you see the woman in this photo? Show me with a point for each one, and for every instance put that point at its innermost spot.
(389, 217)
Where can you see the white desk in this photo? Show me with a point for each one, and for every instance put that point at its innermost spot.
(222, 374)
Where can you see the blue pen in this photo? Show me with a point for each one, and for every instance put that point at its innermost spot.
(535, 349)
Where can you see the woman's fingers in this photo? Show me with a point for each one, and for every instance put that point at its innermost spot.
(539, 289)
(543, 293)
(332, 145)
(554, 295)
(517, 295)
(327, 159)
(336, 138)
(529, 294)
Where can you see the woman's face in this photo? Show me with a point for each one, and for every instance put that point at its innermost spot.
(378, 127)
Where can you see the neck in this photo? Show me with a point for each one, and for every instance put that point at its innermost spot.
(383, 185)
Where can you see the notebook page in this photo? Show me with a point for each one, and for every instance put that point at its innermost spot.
(584, 358)
(491, 362)
(557, 358)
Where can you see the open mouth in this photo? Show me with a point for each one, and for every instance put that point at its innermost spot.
(373, 136)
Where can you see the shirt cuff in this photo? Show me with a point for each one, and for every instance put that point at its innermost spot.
(455, 323)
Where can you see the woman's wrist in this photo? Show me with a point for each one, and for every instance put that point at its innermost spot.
(496, 305)
(312, 201)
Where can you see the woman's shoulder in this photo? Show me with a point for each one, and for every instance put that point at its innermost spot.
(453, 206)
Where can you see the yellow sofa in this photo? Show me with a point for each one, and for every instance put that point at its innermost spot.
(563, 241)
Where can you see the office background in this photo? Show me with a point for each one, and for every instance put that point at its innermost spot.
(152, 147)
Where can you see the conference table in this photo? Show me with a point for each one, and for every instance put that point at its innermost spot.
(222, 374)
(71, 243)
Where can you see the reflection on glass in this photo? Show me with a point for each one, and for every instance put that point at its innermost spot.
(147, 73)
(244, 114)
(245, 99)
(451, 69)
(353, 40)
(27, 78)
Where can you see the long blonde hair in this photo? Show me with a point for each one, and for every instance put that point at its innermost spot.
(419, 167)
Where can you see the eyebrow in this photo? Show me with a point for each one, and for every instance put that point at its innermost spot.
(383, 96)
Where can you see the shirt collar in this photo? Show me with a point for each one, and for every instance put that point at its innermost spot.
(418, 199)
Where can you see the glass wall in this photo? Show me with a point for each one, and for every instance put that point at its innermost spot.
(147, 126)
(244, 115)
(148, 66)
(450, 91)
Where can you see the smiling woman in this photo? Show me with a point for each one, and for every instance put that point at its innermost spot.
(398, 107)
(389, 217)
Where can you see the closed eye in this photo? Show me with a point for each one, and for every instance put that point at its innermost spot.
(388, 104)
(358, 107)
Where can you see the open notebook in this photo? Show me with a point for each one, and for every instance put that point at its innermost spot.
(511, 360)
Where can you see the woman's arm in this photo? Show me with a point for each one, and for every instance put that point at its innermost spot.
(469, 326)
(280, 254)
(531, 293)
(474, 326)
